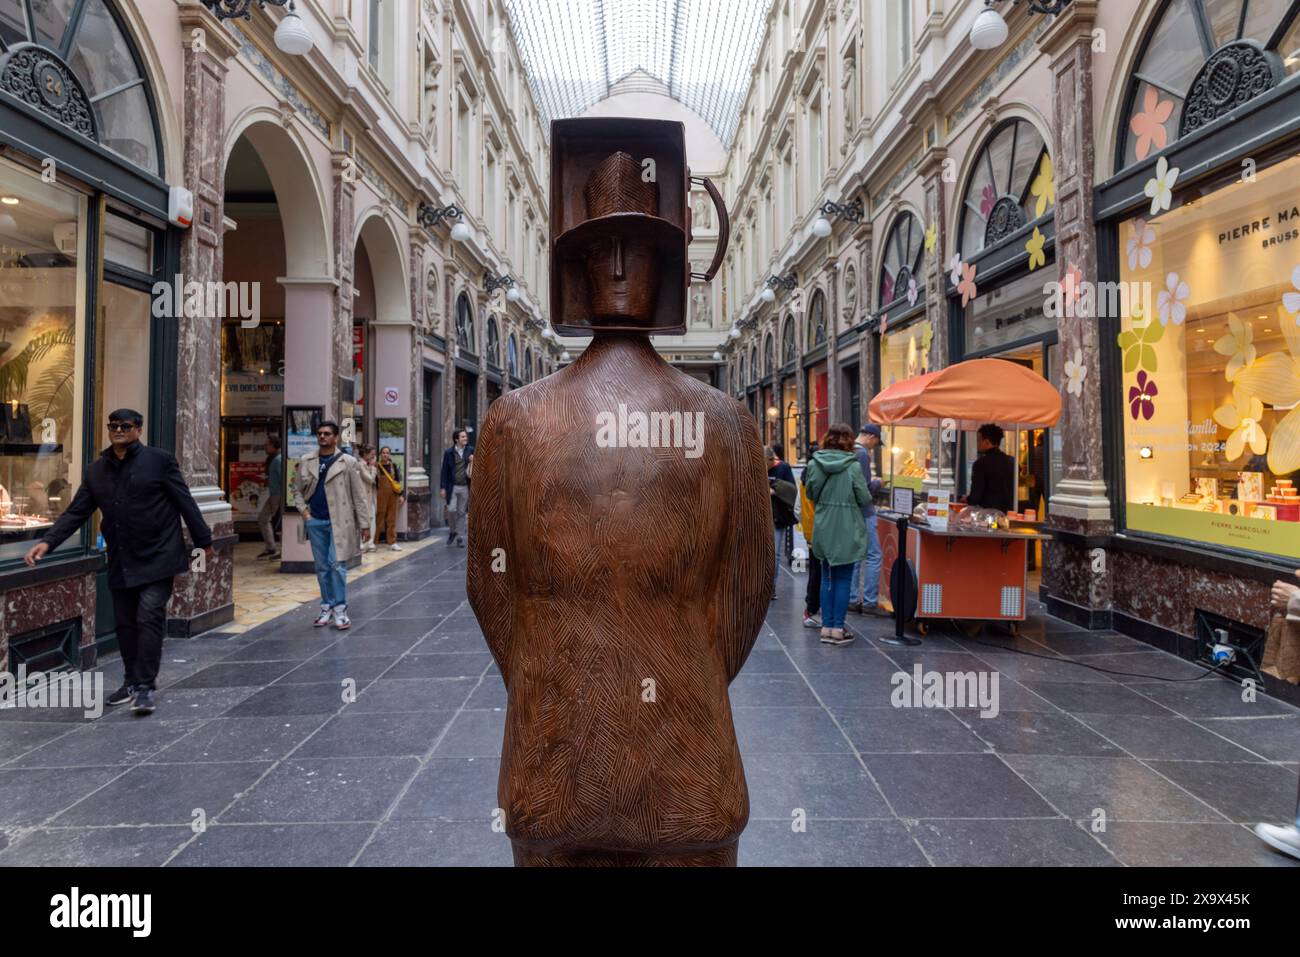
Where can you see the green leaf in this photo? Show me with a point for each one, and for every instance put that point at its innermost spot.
(1131, 357)
(1127, 340)
(1148, 360)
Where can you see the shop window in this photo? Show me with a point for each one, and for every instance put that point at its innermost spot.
(528, 364)
(512, 357)
(817, 320)
(42, 330)
(901, 276)
(753, 364)
(1010, 186)
(99, 88)
(904, 354)
(1209, 350)
(1202, 59)
(1012, 312)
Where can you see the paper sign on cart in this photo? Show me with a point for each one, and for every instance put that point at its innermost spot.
(938, 506)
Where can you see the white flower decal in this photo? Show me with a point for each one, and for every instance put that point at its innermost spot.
(1139, 245)
(954, 269)
(1075, 373)
(1238, 345)
(1291, 300)
(1242, 416)
(1160, 190)
(912, 292)
(1170, 304)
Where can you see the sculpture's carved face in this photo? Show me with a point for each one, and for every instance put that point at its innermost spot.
(623, 278)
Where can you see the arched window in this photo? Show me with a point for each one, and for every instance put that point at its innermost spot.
(1202, 59)
(464, 323)
(817, 320)
(787, 341)
(743, 370)
(74, 63)
(1010, 186)
(493, 343)
(539, 367)
(901, 275)
(512, 357)
(528, 364)
(753, 363)
(768, 356)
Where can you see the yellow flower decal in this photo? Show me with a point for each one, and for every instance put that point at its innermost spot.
(931, 237)
(1238, 345)
(1035, 249)
(1043, 187)
(1138, 344)
(1242, 416)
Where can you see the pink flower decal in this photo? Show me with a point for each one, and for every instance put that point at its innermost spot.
(1141, 397)
(887, 288)
(967, 285)
(1149, 125)
(987, 199)
(912, 292)
(1072, 287)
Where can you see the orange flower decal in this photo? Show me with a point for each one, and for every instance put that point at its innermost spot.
(1149, 125)
(967, 285)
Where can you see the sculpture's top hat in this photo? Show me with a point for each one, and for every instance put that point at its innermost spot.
(621, 178)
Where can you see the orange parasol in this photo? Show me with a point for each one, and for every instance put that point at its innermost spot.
(969, 394)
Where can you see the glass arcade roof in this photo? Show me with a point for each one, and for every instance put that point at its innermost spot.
(702, 51)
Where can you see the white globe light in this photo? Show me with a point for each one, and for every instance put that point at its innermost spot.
(460, 232)
(717, 356)
(292, 35)
(513, 295)
(734, 333)
(767, 295)
(822, 227)
(564, 356)
(989, 30)
(7, 221)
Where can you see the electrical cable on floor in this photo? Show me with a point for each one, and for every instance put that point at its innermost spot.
(1128, 674)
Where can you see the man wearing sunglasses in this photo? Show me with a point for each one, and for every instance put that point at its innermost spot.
(336, 517)
(142, 498)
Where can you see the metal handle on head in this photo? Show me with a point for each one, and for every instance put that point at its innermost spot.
(724, 228)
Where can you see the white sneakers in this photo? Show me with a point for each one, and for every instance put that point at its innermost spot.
(326, 616)
(395, 547)
(1284, 838)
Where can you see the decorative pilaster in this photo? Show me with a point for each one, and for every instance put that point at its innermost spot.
(345, 255)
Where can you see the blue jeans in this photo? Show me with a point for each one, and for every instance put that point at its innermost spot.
(868, 571)
(835, 593)
(330, 572)
(778, 539)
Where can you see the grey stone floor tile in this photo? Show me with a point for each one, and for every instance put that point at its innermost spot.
(906, 731)
(766, 690)
(474, 734)
(441, 844)
(787, 731)
(1165, 736)
(30, 796)
(388, 628)
(812, 657)
(241, 739)
(1276, 738)
(1143, 667)
(361, 671)
(954, 786)
(18, 737)
(1032, 843)
(1190, 845)
(290, 700)
(454, 665)
(491, 693)
(358, 646)
(451, 642)
(829, 844)
(164, 794)
(1212, 697)
(770, 661)
(1122, 788)
(274, 845)
(819, 785)
(1029, 670)
(1096, 698)
(414, 694)
(1027, 732)
(1075, 644)
(1245, 793)
(452, 789)
(355, 734)
(185, 703)
(107, 742)
(870, 689)
(256, 674)
(95, 847)
(324, 789)
(284, 649)
(1013, 696)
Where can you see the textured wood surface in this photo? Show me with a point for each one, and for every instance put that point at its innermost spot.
(620, 565)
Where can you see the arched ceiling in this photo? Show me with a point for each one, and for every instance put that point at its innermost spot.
(703, 51)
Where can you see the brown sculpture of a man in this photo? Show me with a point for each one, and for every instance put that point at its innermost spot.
(620, 546)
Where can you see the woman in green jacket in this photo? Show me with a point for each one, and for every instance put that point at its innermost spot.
(839, 492)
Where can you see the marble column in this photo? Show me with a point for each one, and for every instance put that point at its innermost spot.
(345, 258)
(1079, 505)
(204, 597)
(936, 291)
(834, 267)
(418, 512)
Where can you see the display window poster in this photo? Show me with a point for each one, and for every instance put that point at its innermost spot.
(247, 483)
(299, 440)
(252, 370)
(359, 363)
(392, 433)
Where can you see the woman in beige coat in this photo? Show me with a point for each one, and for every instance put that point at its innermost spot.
(366, 465)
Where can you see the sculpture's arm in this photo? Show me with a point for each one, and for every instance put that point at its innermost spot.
(749, 552)
(488, 575)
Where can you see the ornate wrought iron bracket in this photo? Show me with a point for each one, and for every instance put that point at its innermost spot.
(785, 282)
(430, 216)
(492, 283)
(240, 9)
(849, 212)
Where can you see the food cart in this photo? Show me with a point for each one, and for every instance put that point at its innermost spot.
(960, 572)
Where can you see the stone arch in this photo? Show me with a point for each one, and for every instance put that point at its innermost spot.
(387, 265)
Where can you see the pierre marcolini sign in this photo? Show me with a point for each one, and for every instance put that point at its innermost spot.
(78, 910)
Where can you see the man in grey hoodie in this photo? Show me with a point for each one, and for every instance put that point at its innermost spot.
(865, 598)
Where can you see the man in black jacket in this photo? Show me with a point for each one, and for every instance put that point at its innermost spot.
(454, 483)
(785, 496)
(993, 476)
(142, 497)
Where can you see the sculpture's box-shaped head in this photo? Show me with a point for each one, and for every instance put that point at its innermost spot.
(619, 226)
